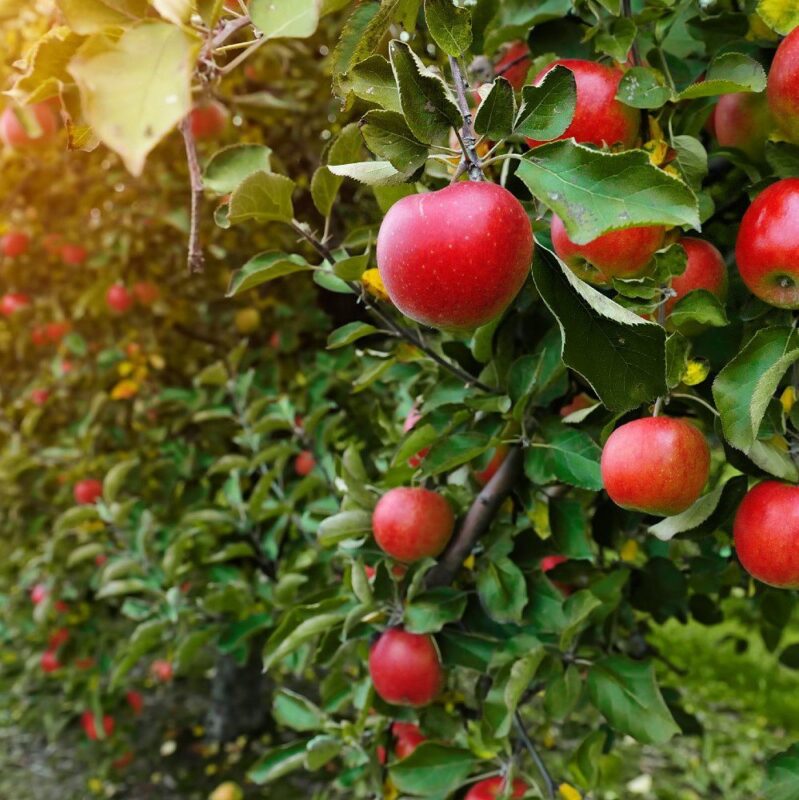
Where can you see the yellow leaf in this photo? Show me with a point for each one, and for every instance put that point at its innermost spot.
(629, 550)
(780, 442)
(781, 16)
(373, 284)
(157, 361)
(124, 369)
(568, 792)
(758, 30)
(124, 390)
(95, 786)
(469, 563)
(696, 371)
(788, 398)
(390, 792)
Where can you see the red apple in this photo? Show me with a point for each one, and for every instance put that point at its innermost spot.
(406, 668)
(13, 302)
(766, 534)
(88, 724)
(87, 491)
(13, 132)
(413, 417)
(767, 248)
(599, 118)
(54, 332)
(39, 336)
(15, 244)
(782, 89)
(704, 269)
(548, 563)
(60, 607)
(412, 523)
(491, 788)
(49, 661)
(39, 594)
(742, 120)
(135, 701)
(457, 257)
(161, 670)
(617, 254)
(407, 737)
(146, 292)
(125, 760)
(118, 298)
(74, 254)
(208, 120)
(514, 64)
(84, 663)
(304, 463)
(39, 396)
(485, 475)
(58, 637)
(658, 465)
(577, 403)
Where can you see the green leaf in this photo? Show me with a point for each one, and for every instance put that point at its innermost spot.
(426, 101)
(351, 268)
(577, 610)
(277, 763)
(295, 20)
(450, 26)
(325, 185)
(432, 770)
(494, 118)
(321, 750)
(373, 80)
(514, 20)
(621, 356)
(728, 73)
(186, 653)
(388, 137)
(145, 638)
(84, 553)
(642, 87)
(279, 646)
(135, 89)
(547, 110)
(782, 775)
(567, 455)
(699, 307)
(585, 763)
(371, 173)
(430, 611)
(594, 192)
(296, 712)
(502, 590)
(454, 451)
(349, 333)
(781, 16)
(229, 166)
(47, 65)
(115, 479)
(265, 267)
(92, 16)
(626, 693)
(263, 196)
(563, 692)
(345, 525)
(744, 388)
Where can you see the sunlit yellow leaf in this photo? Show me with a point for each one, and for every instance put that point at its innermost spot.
(629, 550)
(373, 284)
(788, 398)
(124, 390)
(696, 371)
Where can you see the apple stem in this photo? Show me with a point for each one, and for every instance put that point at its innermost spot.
(627, 10)
(549, 782)
(467, 137)
(196, 260)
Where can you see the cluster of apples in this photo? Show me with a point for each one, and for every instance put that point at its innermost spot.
(120, 299)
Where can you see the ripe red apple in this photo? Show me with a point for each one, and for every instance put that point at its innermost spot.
(407, 737)
(208, 120)
(767, 248)
(617, 254)
(658, 465)
(599, 118)
(485, 475)
(742, 120)
(135, 701)
(12, 302)
(125, 760)
(491, 788)
(413, 417)
(704, 269)
(39, 593)
(161, 670)
(412, 523)
(118, 298)
(14, 134)
(766, 532)
(74, 254)
(15, 244)
(146, 292)
(54, 332)
(457, 257)
(782, 89)
(88, 724)
(406, 668)
(514, 64)
(49, 661)
(58, 637)
(87, 491)
(304, 463)
(548, 563)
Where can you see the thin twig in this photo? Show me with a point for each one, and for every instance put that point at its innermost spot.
(467, 137)
(549, 783)
(227, 30)
(196, 260)
(627, 10)
(243, 56)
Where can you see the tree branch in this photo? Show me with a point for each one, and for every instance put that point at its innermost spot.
(196, 260)
(468, 138)
(627, 10)
(549, 783)
(477, 520)
(227, 30)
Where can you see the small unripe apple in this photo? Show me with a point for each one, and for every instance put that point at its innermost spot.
(514, 64)
(766, 532)
(658, 465)
(13, 302)
(247, 320)
(74, 254)
(742, 120)
(599, 118)
(58, 637)
(15, 244)
(135, 701)
(407, 738)
(118, 298)
(14, 134)
(405, 668)
(704, 269)
(485, 475)
(49, 661)
(617, 254)
(39, 593)
(491, 788)
(162, 670)
(87, 491)
(88, 724)
(146, 292)
(304, 463)
(412, 523)
(457, 257)
(767, 248)
(208, 120)
(782, 88)
(413, 417)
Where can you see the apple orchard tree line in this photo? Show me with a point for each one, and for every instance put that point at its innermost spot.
(560, 404)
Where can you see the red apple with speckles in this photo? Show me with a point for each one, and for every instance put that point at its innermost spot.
(162, 670)
(74, 254)
(658, 465)
(304, 463)
(617, 254)
(208, 120)
(407, 737)
(599, 118)
(412, 523)
(483, 476)
(87, 722)
(766, 532)
(413, 417)
(767, 248)
(13, 302)
(782, 88)
(13, 132)
(405, 668)
(742, 120)
(118, 299)
(15, 244)
(704, 269)
(87, 491)
(514, 64)
(455, 258)
(146, 292)
(49, 662)
(491, 788)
